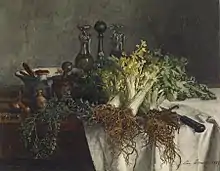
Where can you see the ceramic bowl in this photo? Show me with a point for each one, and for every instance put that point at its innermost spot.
(53, 71)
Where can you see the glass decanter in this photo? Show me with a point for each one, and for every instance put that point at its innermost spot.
(84, 59)
(117, 40)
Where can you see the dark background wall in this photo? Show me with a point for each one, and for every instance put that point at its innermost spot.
(44, 33)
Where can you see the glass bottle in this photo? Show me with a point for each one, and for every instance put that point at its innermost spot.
(118, 41)
(84, 59)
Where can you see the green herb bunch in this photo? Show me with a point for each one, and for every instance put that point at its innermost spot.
(173, 82)
(40, 131)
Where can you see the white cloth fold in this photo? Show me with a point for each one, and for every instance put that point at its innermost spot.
(199, 151)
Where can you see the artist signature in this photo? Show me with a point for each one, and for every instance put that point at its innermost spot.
(187, 162)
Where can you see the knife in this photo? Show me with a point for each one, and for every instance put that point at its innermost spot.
(198, 127)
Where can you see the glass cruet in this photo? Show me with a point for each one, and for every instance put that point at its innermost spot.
(84, 59)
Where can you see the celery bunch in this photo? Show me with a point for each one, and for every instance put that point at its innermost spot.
(128, 79)
(145, 79)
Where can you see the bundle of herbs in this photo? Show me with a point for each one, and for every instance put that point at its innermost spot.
(173, 83)
(40, 131)
(136, 85)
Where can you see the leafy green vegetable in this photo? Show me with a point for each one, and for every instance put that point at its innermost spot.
(145, 78)
(173, 83)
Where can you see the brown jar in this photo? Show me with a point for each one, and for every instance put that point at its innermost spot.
(40, 100)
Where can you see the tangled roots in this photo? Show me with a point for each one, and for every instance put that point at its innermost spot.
(121, 127)
(160, 128)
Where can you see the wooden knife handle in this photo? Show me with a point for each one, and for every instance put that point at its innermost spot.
(198, 127)
(28, 69)
(24, 73)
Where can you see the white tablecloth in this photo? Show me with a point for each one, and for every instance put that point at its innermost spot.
(199, 151)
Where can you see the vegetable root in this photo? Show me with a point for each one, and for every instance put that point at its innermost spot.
(157, 127)
(121, 127)
(160, 128)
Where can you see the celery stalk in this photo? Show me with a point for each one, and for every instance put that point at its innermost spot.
(115, 101)
(138, 99)
(130, 81)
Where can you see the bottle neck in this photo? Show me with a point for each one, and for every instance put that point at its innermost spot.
(118, 42)
(121, 46)
(85, 48)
